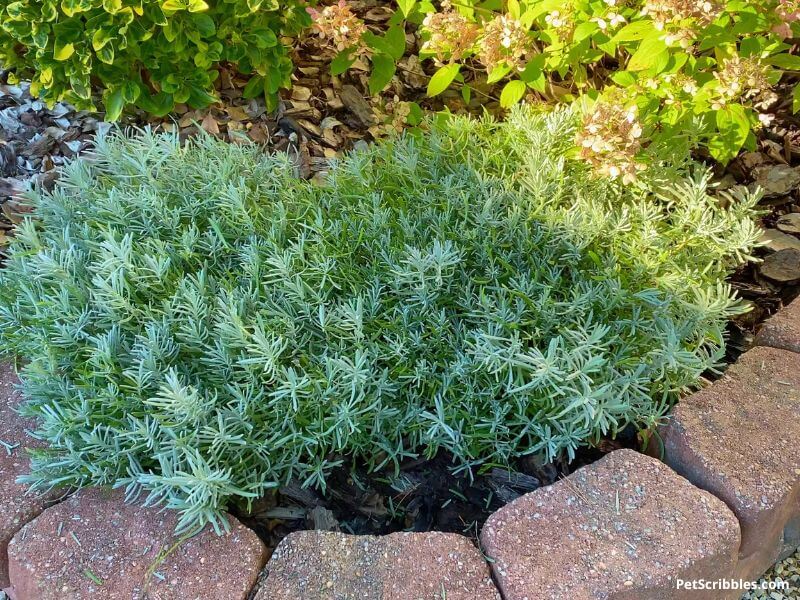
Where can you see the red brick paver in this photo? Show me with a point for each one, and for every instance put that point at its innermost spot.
(94, 547)
(317, 565)
(17, 506)
(623, 528)
(738, 439)
(782, 330)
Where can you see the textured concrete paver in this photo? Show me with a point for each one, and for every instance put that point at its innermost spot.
(17, 506)
(94, 547)
(623, 528)
(782, 330)
(738, 439)
(317, 565)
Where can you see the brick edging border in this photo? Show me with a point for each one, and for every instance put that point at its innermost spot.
(723, 504)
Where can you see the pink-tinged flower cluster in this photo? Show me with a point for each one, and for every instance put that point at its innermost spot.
(610, 140)
(743, 79)
(674, 12)
(788, 12)
(681, 19)
(338, 25)
(504, 42)
(451, 34)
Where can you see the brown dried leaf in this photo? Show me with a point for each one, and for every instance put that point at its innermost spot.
(210, 124)
(237, 113)
(260, 133)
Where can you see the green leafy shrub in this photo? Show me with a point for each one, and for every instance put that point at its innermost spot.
(150, 53)
(201, 325)
(705, 65)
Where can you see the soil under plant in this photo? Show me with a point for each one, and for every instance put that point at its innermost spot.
(426, 495)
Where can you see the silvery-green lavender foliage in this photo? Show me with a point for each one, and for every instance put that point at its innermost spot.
(200, 325)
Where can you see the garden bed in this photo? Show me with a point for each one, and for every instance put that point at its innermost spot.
(480, 327)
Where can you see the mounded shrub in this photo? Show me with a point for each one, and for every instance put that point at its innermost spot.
(150, 53)
(201, 325)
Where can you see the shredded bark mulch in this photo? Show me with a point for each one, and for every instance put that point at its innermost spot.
(424, 495)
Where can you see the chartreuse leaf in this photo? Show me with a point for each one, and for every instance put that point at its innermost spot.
(638, 30)
(533, 73)
(190, 5)
(651, 52)
(733, 127)
(63, 51)
(101, 37)
(498, 72)
(112, 6)
(442, 79)
(406, 6)
(173, 5)
(624, 78)
(584, 30)
(512, 93)
(106, 54)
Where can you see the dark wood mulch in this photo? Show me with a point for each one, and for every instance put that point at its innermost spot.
(425, 495)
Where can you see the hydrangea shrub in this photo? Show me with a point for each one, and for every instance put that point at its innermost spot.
(705, 65)
(199, 325)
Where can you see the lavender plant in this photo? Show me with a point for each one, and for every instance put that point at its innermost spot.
(199, 325)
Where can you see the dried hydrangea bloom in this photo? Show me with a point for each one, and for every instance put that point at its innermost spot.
(681, 37)
(674, 88)
(338, 25)
(682, 82)
(610, 21)
(675, 12)
(451, 34)
(562, 22)
(399, 112)
(743, 79)
(788, 12)
(681, 18)
(504, 42)
(610, 139)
